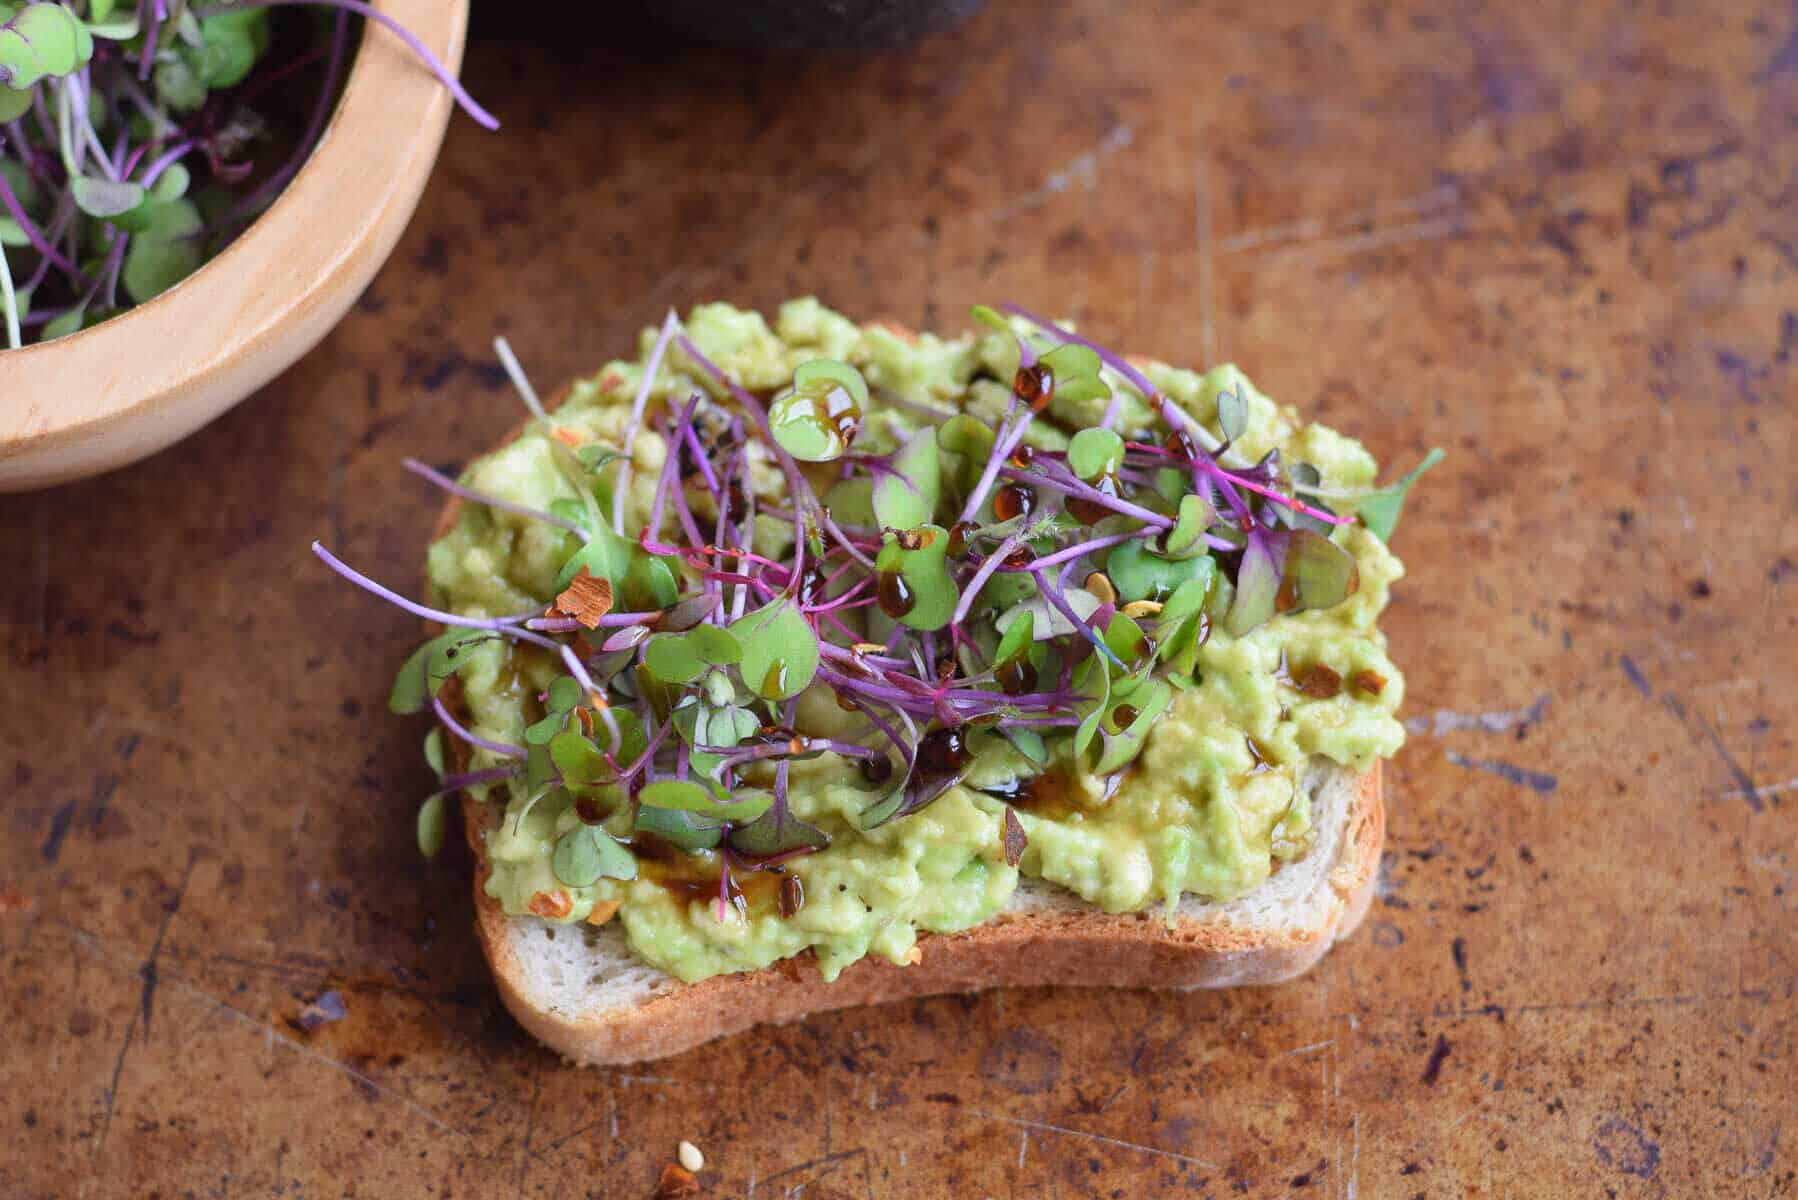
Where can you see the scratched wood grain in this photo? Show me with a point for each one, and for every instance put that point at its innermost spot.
(1560, 241)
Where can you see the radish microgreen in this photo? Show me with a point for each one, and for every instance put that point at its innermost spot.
(953, 586)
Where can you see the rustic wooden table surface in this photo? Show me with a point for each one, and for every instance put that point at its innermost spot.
(1560, 241)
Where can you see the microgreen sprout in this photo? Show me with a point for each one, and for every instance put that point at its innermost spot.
(129, 153)
(1057, 600)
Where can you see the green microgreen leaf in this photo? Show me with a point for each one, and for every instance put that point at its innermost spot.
(817, 418)
(114, 31)
(1257, 583)
(716, 645)
(1095, 453)
(1316, 573)
(1149, 700)
(973, 440)
(105, 197)
(564, 693)
(42, 41)
(724, 726)
(688, 830)
(649, 583)
(777, 833)
(433, 825)
(851, 501)
(172, 184)
(167, 251)
(578, 759)
(72, 321)
(906, 496)
(1187, 538)
(541, 733)
(586, 854)
(1017, 638)
(1047, 620)
(1092, 680)
(1380, 510)
(429, 668)
(1232, 412)
(1140, 574)
(674, 658)
(687, 796)
(1027, 742)
(1126, 639)
(991, 318)
(1076, 372)
(607, 556)
(918, 559)
(780, 650)
(434, 751)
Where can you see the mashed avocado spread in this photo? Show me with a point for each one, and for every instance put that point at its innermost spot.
(901, 721)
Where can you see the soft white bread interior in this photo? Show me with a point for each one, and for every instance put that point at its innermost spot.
(585, 994)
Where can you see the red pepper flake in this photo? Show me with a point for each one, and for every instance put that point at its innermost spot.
(569, 437)
(677, 1183)
(1371, 682)
(1319, 682)
(586, 600)
(1015, 841)
(555, 904)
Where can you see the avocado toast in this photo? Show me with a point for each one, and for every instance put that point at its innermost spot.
(795, 666)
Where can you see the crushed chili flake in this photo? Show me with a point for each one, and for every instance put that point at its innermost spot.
(1015, 841)
(555, 904)
(586, 600)
(676, 1183)
(570, 437)
(1371, 682)
(1319, 682)
(602, 912)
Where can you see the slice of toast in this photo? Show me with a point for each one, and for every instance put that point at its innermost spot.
(583, 992)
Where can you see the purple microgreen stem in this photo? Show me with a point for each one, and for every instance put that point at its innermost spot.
(505, 749)
(368, 11)
(467, 493)
(653, 364)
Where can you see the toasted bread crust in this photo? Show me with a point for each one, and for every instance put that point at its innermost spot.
(1013, 950)
(1091, 948)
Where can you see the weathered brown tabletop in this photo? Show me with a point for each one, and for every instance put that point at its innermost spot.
(1560, 241)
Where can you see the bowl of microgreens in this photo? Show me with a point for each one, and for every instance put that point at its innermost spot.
(192, 192)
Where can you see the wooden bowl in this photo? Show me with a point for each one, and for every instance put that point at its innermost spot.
(132, 385)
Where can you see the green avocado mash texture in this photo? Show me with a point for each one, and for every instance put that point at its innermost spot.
(1210, 807)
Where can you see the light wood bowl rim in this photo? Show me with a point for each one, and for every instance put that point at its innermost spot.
(112, 394)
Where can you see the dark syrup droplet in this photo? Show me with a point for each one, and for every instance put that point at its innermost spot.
(1035, 386)
(1091, 512)
(1017, 677)
(1013, 500)
(791, 897)
(943, 751)
(895, 595)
